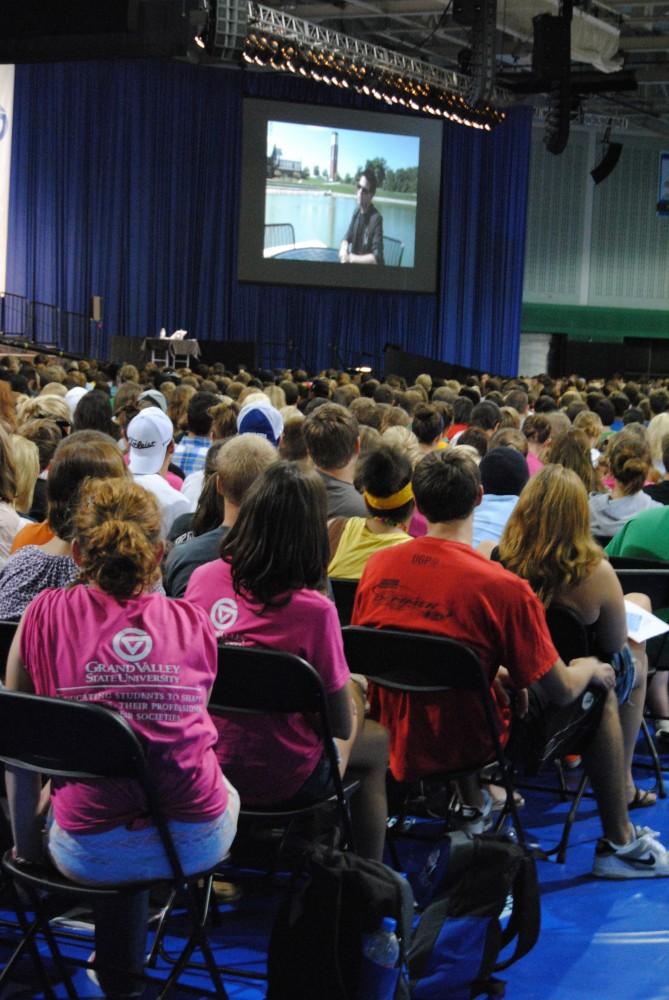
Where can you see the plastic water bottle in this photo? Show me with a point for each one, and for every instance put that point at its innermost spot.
(380, 963)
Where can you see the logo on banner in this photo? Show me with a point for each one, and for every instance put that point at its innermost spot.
(224, 614)
(4, 122)
(132, 644)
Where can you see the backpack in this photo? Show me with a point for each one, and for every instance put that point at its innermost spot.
(466, 884)
(315, 949)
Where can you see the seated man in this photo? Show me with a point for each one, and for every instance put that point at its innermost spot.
(438, 584)
(363, 242)
(333, 442)
(503, 474)
(238, 464)
(150, 436)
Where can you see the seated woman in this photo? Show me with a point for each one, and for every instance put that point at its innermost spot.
(386, 479)
(33, 568)
(629, 464)
(266, 590)
(98, 832)
(547, 541)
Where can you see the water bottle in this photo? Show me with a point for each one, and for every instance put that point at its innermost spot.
(380, 968)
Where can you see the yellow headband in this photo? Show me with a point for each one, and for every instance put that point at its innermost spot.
(392, 502)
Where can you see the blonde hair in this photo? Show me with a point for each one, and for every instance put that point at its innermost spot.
(276, 396)
(547, 539)
(658, 428)
(8, 475)
(405, 441)
(117, 529)
(590, 424)
(26, 464)
(44, 407)
(177, 408)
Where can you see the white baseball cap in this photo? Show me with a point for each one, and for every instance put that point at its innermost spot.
(73, 395)
(149, 434)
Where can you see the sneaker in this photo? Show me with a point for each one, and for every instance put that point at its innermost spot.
(643, 857)
(471, 819)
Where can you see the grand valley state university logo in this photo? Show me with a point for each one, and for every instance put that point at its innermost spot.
(132, 644)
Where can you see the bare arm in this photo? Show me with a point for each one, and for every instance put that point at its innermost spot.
(23, 787)
(361, 258)
(612, 622)
(341, 715)
(564, 684)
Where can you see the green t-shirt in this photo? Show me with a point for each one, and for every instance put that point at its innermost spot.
(645, 536)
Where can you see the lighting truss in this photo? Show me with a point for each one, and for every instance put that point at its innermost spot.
(378, 61)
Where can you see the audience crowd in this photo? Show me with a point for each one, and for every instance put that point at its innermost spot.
(194, 507)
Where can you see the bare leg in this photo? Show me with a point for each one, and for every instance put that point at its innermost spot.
(604, 762)
(632, 711)
(658, 695)
(365, 756)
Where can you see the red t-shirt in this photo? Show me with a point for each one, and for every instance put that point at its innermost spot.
(443, 587)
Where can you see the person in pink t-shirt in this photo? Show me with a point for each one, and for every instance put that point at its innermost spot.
(265, 590)
(112, 640)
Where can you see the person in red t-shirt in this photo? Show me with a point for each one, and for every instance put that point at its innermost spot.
(438, 584)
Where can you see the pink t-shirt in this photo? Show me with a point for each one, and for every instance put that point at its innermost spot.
(268, 758)
(154, 660)
(534, 464)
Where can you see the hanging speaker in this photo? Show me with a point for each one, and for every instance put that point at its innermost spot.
(608, 162)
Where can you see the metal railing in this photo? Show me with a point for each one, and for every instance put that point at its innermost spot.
(48, 325)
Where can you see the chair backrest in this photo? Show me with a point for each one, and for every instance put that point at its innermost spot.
(344, 597)
(393, 251)
(645, 576)
(253, 679)
(7, 630)
(77, 740)
(568, 632)
(279, 234)
(257, 680)
(413, 661)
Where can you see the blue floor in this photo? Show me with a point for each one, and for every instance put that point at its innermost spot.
(598, 938)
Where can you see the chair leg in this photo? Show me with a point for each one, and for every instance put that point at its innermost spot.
(160, 930)
(657, 767)
(42, 927)
(29, 931)
(560, 851)
(198, 906)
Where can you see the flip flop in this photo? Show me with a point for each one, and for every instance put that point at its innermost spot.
(643, 798)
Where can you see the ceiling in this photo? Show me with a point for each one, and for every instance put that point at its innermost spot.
(630, 40)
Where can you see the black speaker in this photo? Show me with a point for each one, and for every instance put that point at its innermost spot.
(466, 11)
(608, 162)
(231, 353)
(551, 52)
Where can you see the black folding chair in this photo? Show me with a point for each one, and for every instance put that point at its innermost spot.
(571, 639)
(258, 681)
(83, 742)
(414, 662)
(261, 681)
(649, 577)
(344, 597)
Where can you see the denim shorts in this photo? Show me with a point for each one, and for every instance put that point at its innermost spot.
(122, 855)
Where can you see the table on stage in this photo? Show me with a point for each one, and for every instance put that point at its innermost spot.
(170, 352)
(328, 254)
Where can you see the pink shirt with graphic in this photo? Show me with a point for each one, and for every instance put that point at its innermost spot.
(154, 660)
(268, 758)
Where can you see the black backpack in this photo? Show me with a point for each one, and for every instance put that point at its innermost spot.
(315, 950)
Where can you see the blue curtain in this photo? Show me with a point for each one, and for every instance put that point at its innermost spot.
(125, 184)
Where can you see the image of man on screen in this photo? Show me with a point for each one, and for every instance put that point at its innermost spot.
(363, 243)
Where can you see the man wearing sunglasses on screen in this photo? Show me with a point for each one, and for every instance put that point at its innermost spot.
(363, 243)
